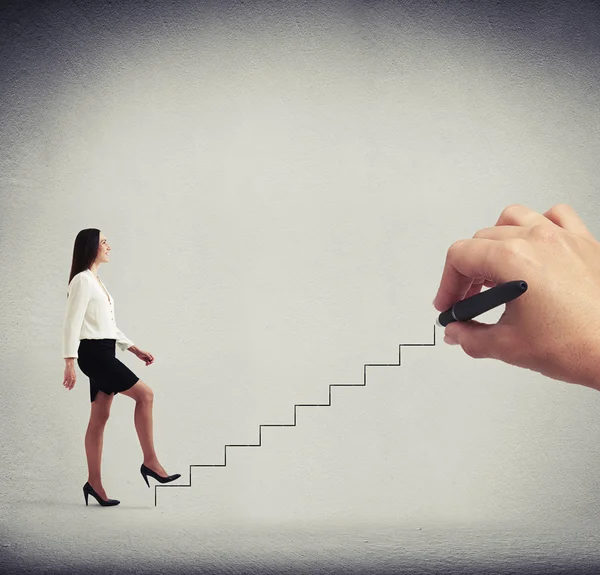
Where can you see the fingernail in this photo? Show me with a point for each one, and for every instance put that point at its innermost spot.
(449, 340)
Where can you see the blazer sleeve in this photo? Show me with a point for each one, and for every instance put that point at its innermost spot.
(77, 302)
(122, 341)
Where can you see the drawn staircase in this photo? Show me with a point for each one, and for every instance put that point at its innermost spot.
(260, 427)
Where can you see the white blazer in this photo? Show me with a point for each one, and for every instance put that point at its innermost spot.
(90, 314)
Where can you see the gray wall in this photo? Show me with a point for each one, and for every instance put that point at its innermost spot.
(279, 183)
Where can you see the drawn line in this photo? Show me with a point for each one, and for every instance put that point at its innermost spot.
(259, 444)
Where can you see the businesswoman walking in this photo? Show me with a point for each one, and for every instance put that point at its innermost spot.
(90, 336)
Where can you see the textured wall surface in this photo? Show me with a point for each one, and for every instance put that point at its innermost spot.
(279, 183)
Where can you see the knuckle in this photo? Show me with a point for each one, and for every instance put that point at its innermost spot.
(545, 234)
(511, 212)
(455, 247)
(561, 208)
(539, 232)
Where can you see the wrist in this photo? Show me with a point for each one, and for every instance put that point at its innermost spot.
(133, 349)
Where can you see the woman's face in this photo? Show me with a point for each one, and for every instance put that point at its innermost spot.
(103, 249)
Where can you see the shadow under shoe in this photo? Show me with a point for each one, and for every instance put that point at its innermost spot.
(89, 490)
(145, 471)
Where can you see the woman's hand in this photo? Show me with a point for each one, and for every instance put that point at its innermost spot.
(145, 356)
(70, 376)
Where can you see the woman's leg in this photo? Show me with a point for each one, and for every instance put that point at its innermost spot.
(94, 438)
(144, 401)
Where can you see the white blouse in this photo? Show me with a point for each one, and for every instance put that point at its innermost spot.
(90, 314)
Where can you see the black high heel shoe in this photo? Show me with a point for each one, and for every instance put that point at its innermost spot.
(89, 490)
(145, 471)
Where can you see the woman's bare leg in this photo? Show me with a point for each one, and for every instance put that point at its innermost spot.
(144, 401)
(94, 439)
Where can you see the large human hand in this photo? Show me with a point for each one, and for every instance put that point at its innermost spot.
(554, 327)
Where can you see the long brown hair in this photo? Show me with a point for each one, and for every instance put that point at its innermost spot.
(85, 251)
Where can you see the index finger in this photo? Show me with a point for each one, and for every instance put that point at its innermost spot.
(466, 261)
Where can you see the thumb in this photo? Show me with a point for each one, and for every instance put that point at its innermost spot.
(479, 340)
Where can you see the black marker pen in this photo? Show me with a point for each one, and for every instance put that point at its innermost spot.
(479, 303)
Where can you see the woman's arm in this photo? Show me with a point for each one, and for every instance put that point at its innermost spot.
(124, 342)
(77, 302)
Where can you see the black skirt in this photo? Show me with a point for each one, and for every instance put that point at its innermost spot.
(97, 359)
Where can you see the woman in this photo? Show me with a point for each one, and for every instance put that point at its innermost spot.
(90, 335)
